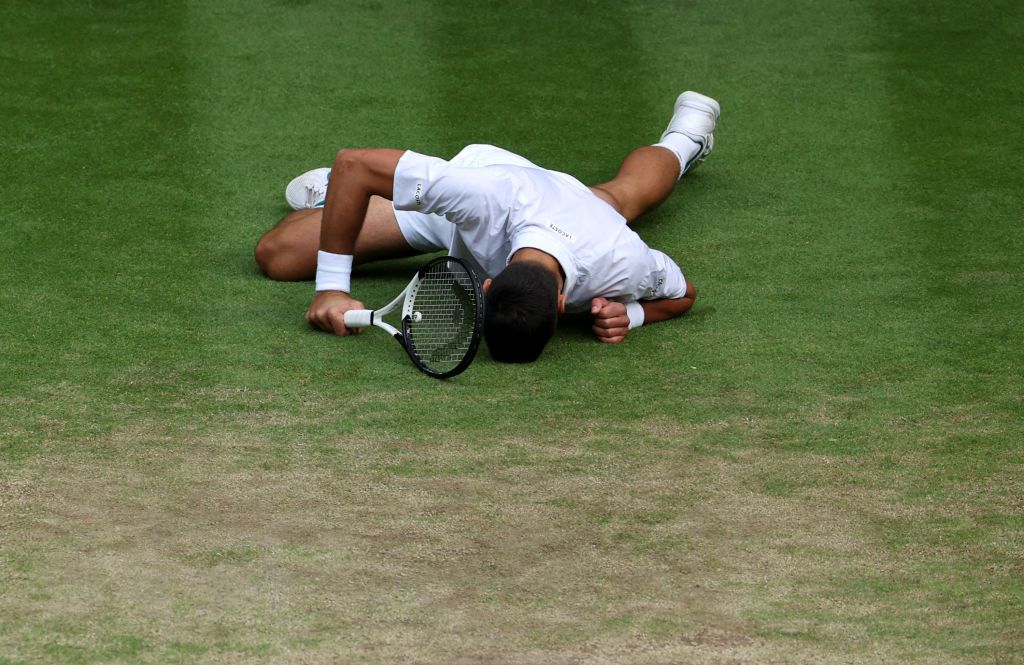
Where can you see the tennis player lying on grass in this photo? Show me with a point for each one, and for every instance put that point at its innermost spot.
(543, 241)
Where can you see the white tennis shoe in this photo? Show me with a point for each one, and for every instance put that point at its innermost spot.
(695, 118)
(309, 190)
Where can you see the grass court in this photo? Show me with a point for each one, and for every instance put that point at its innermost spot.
(822, 462)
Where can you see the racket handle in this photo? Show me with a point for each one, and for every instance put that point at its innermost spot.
(359, 318)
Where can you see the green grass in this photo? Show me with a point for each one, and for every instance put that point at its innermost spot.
(821, 463)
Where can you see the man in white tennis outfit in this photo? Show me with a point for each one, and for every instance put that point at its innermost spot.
(545, 242)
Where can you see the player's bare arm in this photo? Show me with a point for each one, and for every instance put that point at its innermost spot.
(611, 320)
(357, 176)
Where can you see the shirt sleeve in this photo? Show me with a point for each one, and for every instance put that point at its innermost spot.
(666, 281)
(464, 195)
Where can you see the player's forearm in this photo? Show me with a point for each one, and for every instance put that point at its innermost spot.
(356, 175)
(668, 308)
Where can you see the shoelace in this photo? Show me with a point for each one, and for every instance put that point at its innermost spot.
(315, 194)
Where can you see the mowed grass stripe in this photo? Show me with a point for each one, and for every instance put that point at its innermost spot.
(953, 133)
(352, 78)
(98, 221)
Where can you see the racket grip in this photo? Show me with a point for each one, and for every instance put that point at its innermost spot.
(359, 318)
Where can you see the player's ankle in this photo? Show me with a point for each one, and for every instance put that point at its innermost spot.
(683, 147)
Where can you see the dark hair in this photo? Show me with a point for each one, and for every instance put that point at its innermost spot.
(521, 312)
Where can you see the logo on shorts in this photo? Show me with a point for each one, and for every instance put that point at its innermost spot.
(418, 196)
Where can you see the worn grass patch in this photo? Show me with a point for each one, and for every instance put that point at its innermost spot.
(508, 550)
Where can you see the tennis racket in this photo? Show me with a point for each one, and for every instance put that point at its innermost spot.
(442, 317)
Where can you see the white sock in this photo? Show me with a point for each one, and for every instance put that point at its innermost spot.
(681, 146)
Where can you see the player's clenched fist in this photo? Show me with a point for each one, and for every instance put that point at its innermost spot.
(611, 324)
(327, 311)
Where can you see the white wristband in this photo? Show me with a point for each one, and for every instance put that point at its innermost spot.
(333, 272)
(635, 313)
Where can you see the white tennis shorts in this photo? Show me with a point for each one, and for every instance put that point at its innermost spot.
(427, 233)
(434, 233)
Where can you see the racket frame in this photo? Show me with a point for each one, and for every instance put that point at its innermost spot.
(363, 318)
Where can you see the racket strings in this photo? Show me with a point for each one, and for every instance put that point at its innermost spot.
(445, 303)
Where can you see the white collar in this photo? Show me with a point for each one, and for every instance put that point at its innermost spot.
(549, 243)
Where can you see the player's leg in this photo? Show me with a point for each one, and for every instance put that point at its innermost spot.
(287, 252)
(648, 175)
(646, 178)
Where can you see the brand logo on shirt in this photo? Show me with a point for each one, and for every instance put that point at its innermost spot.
(418, 196)
(564, 234)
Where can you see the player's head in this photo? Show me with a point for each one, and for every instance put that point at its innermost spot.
(521, 313)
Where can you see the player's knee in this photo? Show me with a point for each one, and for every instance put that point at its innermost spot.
(345, 162)
(273, 257)
(265, 252)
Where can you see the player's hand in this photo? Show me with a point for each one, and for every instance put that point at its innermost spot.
(327, 312)
(611, 324)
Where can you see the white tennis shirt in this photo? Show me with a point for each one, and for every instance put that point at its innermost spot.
(500, 203)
